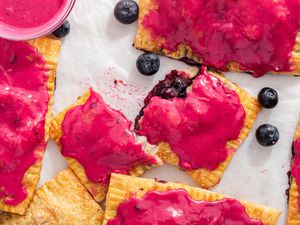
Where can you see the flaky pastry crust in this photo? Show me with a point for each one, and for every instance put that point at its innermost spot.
(49, 49)
(122, 187)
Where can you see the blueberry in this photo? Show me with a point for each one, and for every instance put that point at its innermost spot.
(126, 11)
(267, 135)
(148, 64)
(63, 30)
(178, 83)
(268, 98)
(174, 85)
(168, 93)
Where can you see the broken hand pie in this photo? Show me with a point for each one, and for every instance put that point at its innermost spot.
(198, 120)
(96, 141)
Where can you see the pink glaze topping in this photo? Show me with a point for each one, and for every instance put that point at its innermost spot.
(29, 13)
(198, 126)
(296, 164)
(258, 34)
(100, 139)
(23, 106)
(176, 207)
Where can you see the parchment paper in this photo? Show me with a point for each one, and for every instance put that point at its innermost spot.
(99, 51)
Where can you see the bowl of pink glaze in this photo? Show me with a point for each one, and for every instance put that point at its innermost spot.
(30, 19)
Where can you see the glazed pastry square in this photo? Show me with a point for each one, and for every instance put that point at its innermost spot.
(293, 206)
(208, 178)
(63, 200)
(145, 41)
(123, 187)
(49, 49)
(97, 189)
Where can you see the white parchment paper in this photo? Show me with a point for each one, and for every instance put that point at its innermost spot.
(98, 52)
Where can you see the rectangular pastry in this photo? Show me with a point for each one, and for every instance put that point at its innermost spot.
(27, 80)
(63, 200)
(218, 35)
(96, 140)
(294, 201)
(131, 198)
(198, 119)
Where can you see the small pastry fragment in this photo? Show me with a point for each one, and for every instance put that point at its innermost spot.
(227, 35)
(96, 141)
(132, 200)
(294, 196)
(198, 120)
(63, 200)
(27, 83)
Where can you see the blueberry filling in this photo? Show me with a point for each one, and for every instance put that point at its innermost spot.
(174, 85)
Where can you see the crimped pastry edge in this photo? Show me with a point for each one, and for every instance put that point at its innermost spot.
(49, 49)
(293, 217)
(122, 187)
(53, 201)
(143, 41)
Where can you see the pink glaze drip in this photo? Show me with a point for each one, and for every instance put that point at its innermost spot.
(176, 207)
(259, 34)
(29, 13)
(198, 126)
(99, 138)
(296, 164)
(23, 106)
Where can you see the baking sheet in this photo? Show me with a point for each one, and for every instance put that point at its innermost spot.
(99, 53)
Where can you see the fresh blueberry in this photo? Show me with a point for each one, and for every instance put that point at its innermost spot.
(268, 97)
(63, 30)
(126, 11)
(148, 64)
(267, 135)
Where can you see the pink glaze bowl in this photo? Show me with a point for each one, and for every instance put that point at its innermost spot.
(22, 34)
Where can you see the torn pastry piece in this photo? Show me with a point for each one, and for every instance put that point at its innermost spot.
(63, 200)
(132, 199)
(96, 141)
(228, 35)
(27, 80)
(198, 121)
(294, 196)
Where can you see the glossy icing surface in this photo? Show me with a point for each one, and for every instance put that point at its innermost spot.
(258, 34)
(100, 139)
(176, 207)
(28, 13)
(198, 126)
(23, 107)
(296, 164)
